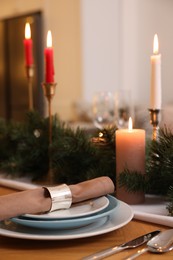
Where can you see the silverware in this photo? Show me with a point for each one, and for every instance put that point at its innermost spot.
(131, 244)
(161, 243)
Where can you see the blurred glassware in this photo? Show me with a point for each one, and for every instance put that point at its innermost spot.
(123, 107)
(103, 109)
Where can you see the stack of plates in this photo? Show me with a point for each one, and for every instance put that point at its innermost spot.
(88, 218)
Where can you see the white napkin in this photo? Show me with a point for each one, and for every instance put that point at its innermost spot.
(153, 210)
(18, 184)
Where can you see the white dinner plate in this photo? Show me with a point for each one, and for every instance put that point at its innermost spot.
(69, 223)
(104, 225)
(84, 208)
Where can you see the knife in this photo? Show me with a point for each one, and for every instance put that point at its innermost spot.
(131, 244)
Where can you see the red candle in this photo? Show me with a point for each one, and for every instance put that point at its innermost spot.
(130, 154)
(28, 46)
(49, 66)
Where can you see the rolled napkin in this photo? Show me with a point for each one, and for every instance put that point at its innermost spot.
(38, 200)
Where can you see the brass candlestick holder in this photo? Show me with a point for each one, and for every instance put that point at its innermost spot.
(154, 121)
(30, 74)
(49, 92)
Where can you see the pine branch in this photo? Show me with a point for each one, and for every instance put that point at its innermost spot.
(160, 163)
(74, 156)
(133, 181)
(170, 199)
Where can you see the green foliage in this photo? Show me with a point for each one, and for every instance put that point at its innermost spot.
(25, 151)
(75, 156)
(160, 163)
(24, 147)
(170, 199)
(134, 181)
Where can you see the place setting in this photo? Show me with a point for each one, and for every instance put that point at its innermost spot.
(118, 150)
(89, 218)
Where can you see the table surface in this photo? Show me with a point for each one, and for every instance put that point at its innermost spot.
(21, 249)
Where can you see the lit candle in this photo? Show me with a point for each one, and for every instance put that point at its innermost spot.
(155, 92)
(49, 66)
(130, 155)
(28, 46)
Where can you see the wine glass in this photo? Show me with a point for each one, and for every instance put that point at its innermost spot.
(123, 107)
(103, 109)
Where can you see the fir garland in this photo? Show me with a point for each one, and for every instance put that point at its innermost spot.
(25, 151)
(77, 156)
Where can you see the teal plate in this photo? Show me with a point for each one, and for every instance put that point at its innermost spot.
(69, 223)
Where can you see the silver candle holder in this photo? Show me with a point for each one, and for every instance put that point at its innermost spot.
(154, 121)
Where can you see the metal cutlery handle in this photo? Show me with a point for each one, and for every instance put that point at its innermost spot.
(104, 253)
(138, 253)
(130, 244)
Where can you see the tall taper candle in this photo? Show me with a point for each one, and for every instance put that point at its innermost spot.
(155, 92)
(49, 66)
(28, 46)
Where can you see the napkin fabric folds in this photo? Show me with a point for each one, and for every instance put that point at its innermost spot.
(39, 200)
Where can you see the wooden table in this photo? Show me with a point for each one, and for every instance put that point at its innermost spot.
(18, 249)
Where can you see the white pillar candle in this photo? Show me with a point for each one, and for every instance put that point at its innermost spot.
(155, 91)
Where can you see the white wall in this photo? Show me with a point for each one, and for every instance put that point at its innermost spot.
(117, 42)
(129, 50)
(154, 16)
(100, 20)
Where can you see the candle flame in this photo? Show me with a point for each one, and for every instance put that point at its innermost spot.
(155, 44)
(130, 123)
(27, 31)
(49, 39)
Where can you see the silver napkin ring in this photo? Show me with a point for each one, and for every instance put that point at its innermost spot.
(61, 197)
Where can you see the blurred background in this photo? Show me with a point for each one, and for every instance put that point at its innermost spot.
(99, 45)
